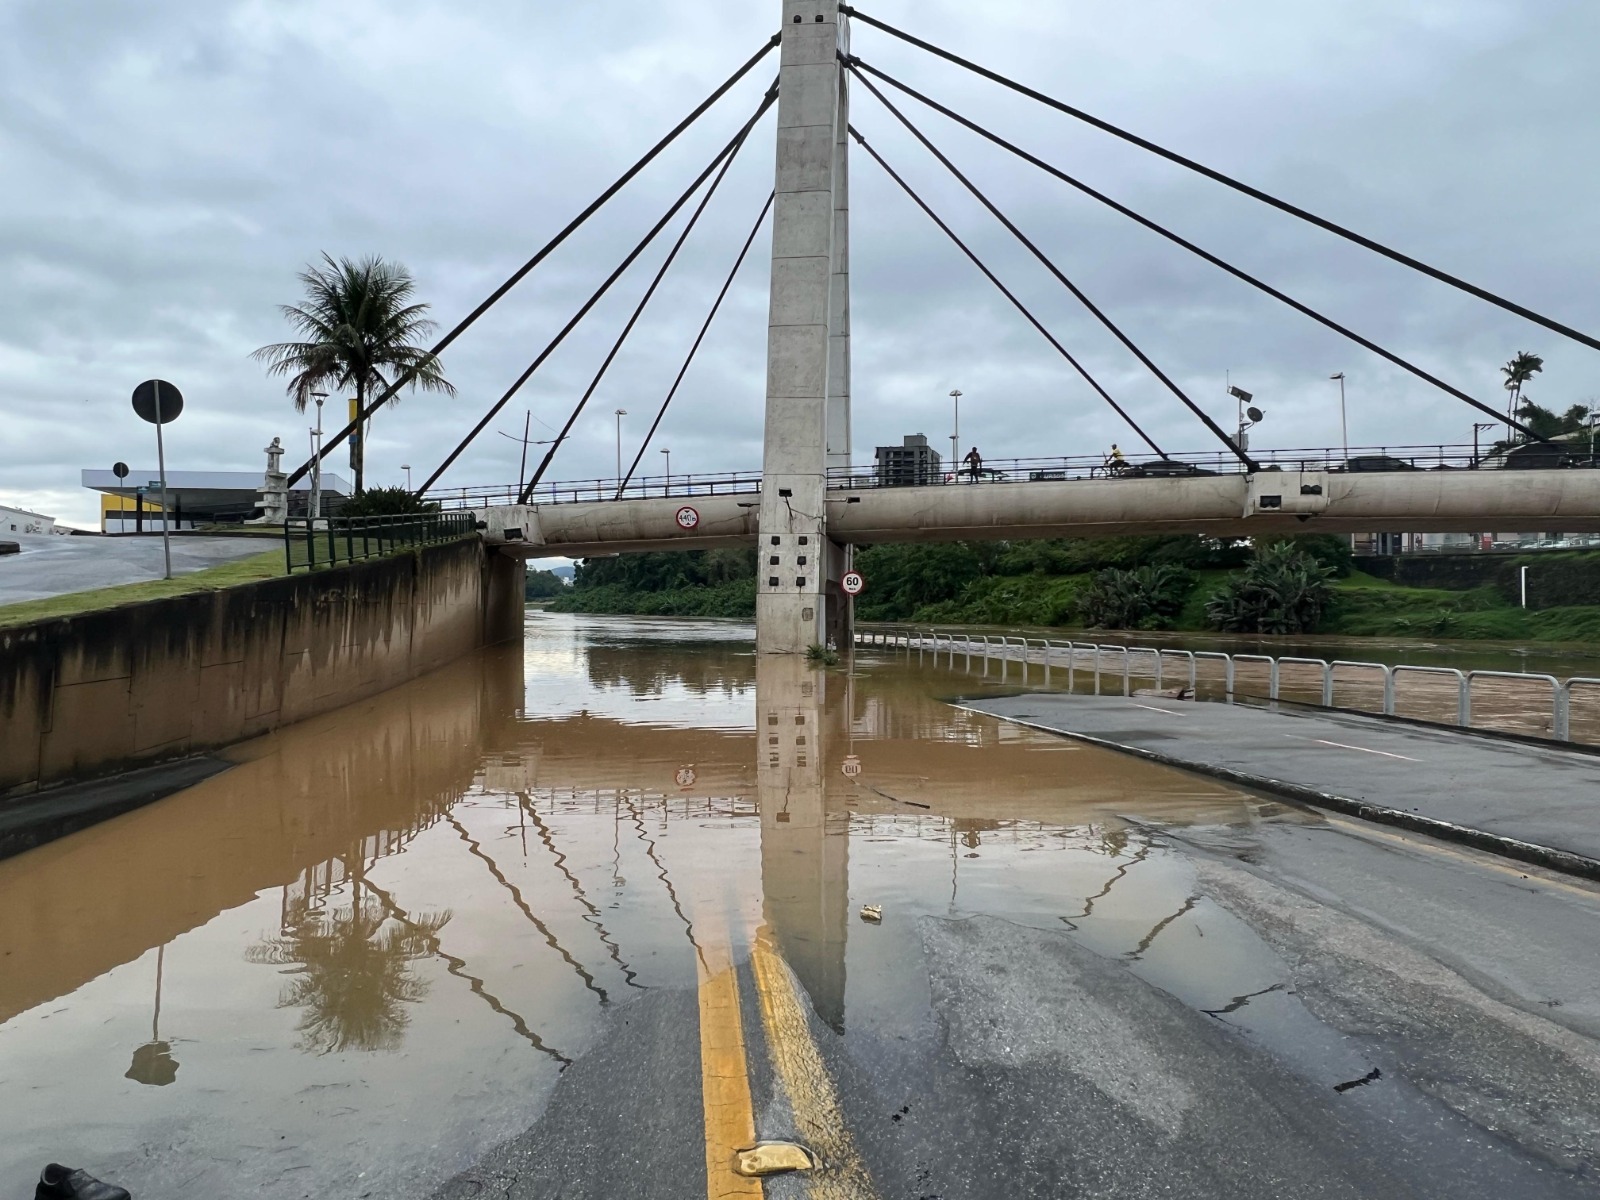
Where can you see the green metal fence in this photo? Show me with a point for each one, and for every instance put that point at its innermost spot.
(328, 542)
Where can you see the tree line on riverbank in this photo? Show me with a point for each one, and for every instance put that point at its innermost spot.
(1291, 585)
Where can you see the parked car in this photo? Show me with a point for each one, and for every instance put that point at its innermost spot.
(1164, 468)
(1376, 462)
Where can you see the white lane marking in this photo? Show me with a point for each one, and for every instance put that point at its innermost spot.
(1343, 746)
(1153, 708)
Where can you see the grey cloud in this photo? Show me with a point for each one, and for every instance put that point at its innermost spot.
(170, 165)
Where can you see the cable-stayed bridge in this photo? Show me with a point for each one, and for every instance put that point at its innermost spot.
(809, 505)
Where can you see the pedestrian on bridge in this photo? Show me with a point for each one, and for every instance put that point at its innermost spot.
(974, 463)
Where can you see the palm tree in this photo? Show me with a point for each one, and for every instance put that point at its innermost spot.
(1517, 372)
(362, 330)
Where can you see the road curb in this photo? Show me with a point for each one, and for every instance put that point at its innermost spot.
(1564, 861)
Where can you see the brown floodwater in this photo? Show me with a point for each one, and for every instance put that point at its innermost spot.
(364, 954)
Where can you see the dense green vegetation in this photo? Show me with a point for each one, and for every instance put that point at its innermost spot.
(542, 585)
(1282, 585)
(697, 583)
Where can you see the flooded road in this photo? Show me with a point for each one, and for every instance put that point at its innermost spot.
(395, 937)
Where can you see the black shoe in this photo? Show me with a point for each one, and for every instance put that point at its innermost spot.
(63, 1183)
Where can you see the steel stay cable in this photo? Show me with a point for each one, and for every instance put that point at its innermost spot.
(1050, 266)
(516, 277)
(649, 294)
(1228, 181)
(1004, 290)
(695, 349)
(598, 295)
(1178, 239)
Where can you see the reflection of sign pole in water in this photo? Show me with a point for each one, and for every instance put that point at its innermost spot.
(686, 777)
(152, 1062)
(158, 402)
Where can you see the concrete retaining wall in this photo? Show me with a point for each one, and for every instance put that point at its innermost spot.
(106, 691)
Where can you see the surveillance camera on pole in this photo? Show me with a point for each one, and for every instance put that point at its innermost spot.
(1248, 415)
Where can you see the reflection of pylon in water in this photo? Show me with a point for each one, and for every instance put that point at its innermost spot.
(153, 1063)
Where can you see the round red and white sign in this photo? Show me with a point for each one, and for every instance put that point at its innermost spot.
(686, 777)
(851, 767)
(688, 517)
(852, 583)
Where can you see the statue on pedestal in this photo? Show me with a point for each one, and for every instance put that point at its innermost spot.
(274, 501)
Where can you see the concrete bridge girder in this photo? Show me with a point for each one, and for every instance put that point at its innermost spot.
(1221, 506)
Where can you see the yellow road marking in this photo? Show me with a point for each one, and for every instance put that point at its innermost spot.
(839, 1174)
(724, 1075)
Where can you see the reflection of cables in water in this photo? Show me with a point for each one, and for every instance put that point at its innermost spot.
(1239, 1002)
(1138, 951)
(1088, 904)
(661, 873)
(458, 967)
(516, 896)
(525, 804)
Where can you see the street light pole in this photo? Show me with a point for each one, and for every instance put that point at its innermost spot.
(1477, 428)
(316, 459)
(955, 431)
(406, 467)
(668, 454)
(1344, 422)
(522, 467)
(621, 412)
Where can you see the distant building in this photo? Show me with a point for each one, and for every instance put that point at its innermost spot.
(133, 505)
(20, 520)
(908, 465)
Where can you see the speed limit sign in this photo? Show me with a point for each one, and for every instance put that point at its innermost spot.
(688, 517)
(852, 583)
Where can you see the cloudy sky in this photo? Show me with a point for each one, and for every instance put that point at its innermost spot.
(166, 167)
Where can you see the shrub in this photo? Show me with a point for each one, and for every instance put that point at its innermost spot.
(1283, 590)
(1144, 598)
(386, 502)
(1328, 549)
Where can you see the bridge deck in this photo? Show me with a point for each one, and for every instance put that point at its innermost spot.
(1287, 501)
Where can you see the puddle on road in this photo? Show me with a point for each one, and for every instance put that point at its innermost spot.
(373, 945)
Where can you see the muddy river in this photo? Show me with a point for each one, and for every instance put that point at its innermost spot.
(365, 954)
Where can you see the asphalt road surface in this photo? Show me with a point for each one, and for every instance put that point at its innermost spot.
(1540, 794)
(1407, 1019)
(49, 565)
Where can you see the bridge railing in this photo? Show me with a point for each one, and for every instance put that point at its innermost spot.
(580, 491)
(1364, 459)
(332, 541)
(1361, 459)
(1532, 704)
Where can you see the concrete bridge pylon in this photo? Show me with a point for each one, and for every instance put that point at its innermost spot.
(798, 601)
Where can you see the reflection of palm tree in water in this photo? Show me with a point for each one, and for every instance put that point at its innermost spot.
(349, 971)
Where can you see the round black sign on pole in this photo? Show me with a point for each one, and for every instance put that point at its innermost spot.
(157, 401)
(120, 470)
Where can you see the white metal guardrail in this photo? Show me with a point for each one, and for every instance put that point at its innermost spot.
(1111, 664)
